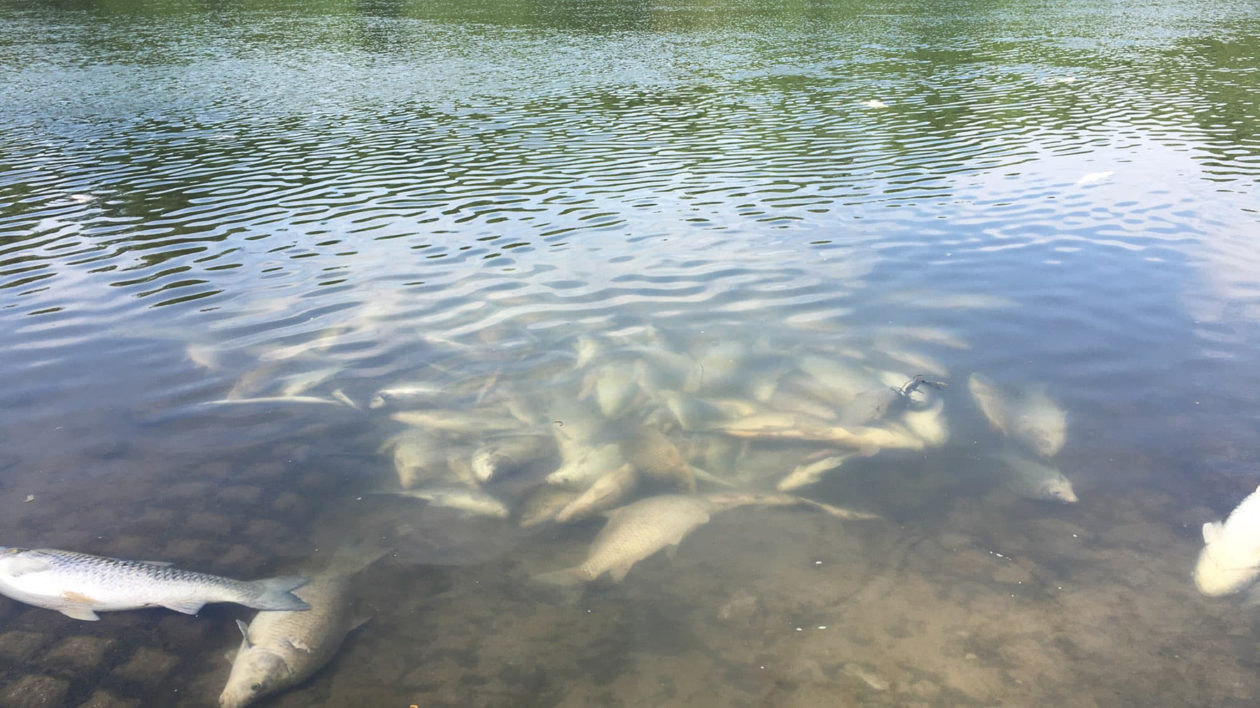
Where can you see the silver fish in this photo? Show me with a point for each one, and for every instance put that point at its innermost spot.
(1230, 559)
(406, 395)
(1036, 480)
(810, 473)
(79, 585)
(283, 649)
(1028, 417)
(465, 499)
(494, 459)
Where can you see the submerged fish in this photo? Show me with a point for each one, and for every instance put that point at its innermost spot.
(79, 585)
(807, 474)
(656, 457)
(543, 502)
(465, 499)
(494, 459)
(635, 532)
(455, 421)
(607, 492)
(1230, 559)
(1030, 418)
(282, 649)
(583, 465)
(406, 395)
(1036, 480)
(418, 458)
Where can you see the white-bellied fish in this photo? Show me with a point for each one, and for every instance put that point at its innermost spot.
(499, 457)
(79, 585)
(809, 473)
(407, 395)
(466, 499)
(282, 649)
(1028, 417)
(582, 465)
(1230, 559)
(1036, 480)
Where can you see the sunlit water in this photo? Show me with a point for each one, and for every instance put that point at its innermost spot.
(461, 195)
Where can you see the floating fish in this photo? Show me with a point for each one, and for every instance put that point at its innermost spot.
(282, 649)
(543, 502)
(1230, 559)
(79, 585)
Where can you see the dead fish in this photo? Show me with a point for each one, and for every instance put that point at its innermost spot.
(407, 395)
(810, 473)
(268, 400)
(582, 465)
(1036, 480)
(543, 502)
(605, 493)
(635, 532)
(613, 386)
(656, 457)
(461, 422)
(465, 499)
(499, 457)
(928, 423)
(723, 501)
(1230, 559)
(282, 649)
(301, 383)
(1030, 418)
(418, 458)
(79, 585)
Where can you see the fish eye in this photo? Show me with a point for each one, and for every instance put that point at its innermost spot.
(255, 687)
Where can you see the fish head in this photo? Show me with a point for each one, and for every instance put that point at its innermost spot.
(1219, 573)
(255, 673)
(1058, 488)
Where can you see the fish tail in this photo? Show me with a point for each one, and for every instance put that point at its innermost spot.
(276, 594)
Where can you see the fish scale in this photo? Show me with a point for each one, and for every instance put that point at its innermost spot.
(79, 584)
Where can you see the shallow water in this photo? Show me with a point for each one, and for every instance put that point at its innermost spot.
(460, 194)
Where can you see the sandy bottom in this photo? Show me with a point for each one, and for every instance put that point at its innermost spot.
(951, 599)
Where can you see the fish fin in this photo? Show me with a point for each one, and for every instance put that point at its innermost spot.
(564, 578)
(244, 633)
(80, 612)
(274, 594)
(1211, 532)
(188, 607)
(708, 476)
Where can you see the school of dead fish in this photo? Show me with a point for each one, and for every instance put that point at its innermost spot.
(656, 439)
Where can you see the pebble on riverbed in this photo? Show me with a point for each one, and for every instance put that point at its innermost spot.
(80, 653)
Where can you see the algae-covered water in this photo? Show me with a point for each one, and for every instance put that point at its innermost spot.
(586, 220)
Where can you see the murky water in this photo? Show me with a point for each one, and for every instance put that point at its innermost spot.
(593, 220)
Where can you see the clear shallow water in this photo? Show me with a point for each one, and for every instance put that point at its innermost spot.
(411, 192)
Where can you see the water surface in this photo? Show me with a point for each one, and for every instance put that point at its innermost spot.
(459, 194)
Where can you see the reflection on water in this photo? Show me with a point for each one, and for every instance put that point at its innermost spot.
(261, 262)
